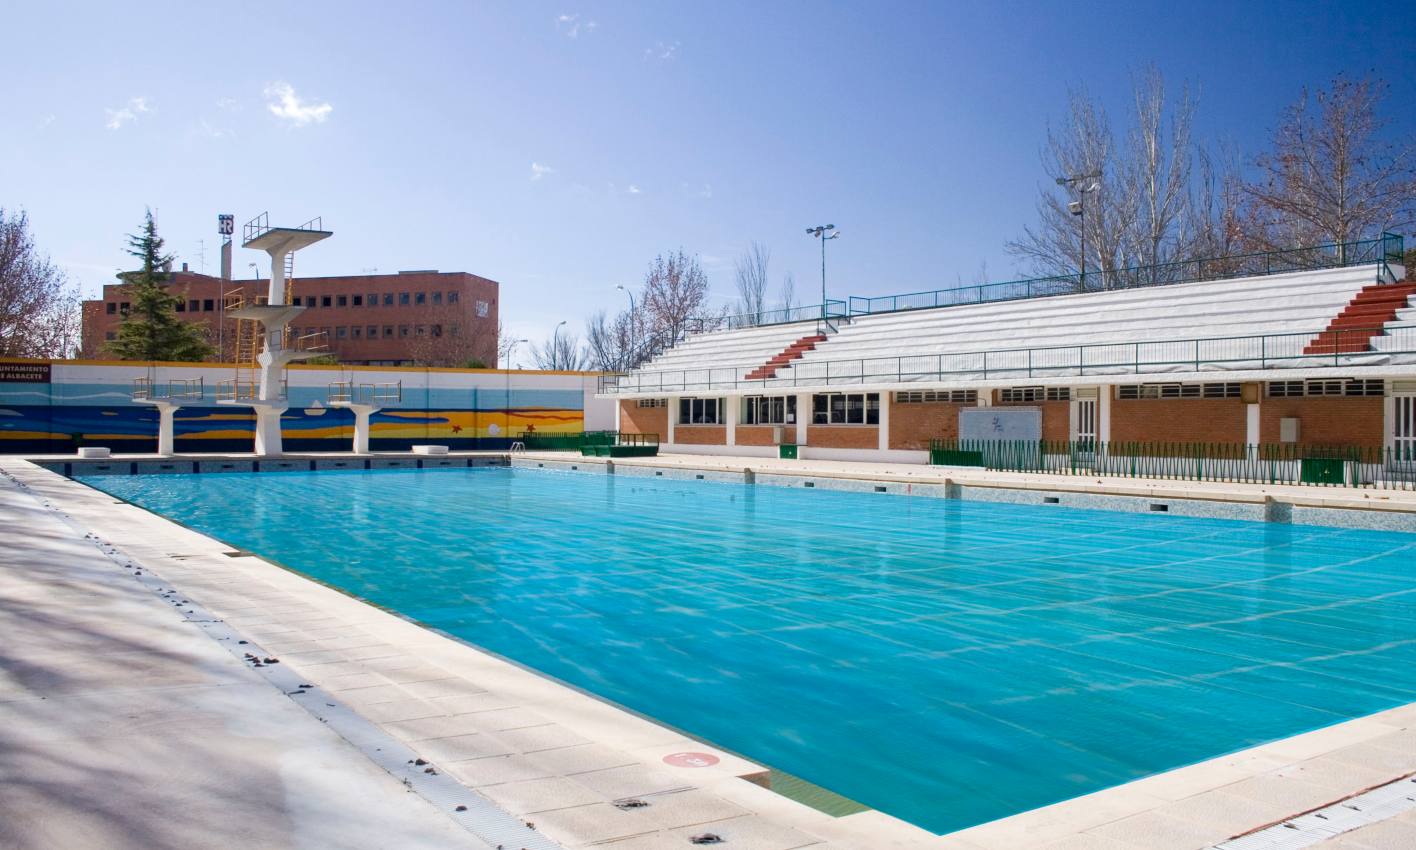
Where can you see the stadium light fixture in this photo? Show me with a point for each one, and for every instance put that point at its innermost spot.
(1082, 185)
(823, 232)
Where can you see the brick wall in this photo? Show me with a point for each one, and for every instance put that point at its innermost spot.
(843, 436)
(1056, 417)
(912, 426)
(761, 435)
(1179, 420)
(1326, 421)
(644, 420)
(701, 435)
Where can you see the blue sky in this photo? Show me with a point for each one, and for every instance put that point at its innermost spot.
(557, 147)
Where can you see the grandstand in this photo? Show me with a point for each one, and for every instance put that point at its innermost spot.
(1211, 352)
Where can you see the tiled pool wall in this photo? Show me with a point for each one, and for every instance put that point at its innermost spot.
(73, 468)
(1268, 510)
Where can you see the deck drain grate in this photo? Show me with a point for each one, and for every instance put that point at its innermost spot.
(1319, 825)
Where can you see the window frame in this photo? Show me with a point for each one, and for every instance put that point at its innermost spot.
(840, 409)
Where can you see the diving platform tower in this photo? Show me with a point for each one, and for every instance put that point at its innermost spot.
(264, 387)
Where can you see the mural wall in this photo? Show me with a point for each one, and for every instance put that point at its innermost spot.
(57, 406)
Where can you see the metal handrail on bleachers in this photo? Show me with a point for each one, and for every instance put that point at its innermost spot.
(1258, 351)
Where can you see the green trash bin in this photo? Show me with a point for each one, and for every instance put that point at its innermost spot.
(1322, 470)
(787, 451)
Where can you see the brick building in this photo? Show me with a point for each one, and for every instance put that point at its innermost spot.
(1310, 358)
(412, 317)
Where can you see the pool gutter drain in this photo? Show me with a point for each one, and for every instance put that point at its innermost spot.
(1319, 825)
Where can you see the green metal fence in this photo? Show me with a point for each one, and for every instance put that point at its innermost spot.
(1269, 463)
(593, 443)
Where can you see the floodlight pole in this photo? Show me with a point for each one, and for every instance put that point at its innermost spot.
(820, 232)
(1081, 211)
(622, 288)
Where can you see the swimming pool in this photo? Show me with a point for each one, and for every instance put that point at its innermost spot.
(947, 662)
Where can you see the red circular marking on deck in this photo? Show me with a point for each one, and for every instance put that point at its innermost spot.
(691, 759)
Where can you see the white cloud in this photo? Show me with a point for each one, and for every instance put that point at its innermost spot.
(206, 129)
(228, 104)
(634, 190)
(572, 26)
(538, 170)
(46, 120)
(125, 114)
(288, 106)
(662, 50)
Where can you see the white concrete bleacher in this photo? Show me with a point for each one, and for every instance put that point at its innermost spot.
(1216, 324)
(1238, 323)
(718, 358)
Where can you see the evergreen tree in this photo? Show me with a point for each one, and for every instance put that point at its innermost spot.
(151, 330)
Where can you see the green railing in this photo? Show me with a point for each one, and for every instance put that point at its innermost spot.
(1269, 463)
(564, 442)
(1388, 248)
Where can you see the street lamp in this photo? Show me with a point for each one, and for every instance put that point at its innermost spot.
(823, 232)
(511, 350)
(622, 288)
(555, 345)
(1082, 187)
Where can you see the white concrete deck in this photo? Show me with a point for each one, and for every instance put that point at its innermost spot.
(123, 724)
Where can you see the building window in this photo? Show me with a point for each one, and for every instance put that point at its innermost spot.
(110, 335)
(452, 298)
(1128, 392)
(326, 301)
(403, 330)
(483, 308)
(372, 299)
(845, 409)
(112, 307)
(357, 300)
(341, 300)
(371, 332)
(388, 332)
(1015, 395)
(309, 301)
(420, 330)
(769, 410)
(1327, 387)
(402, 298)
(194, 305)
(437, 330)
(653, 402)
(341, 332)
(208, 305)
(388, 299)
(180, 307)
(701, 411)
(355, 331)
(420, 298)
(437, 297)
(937, 396)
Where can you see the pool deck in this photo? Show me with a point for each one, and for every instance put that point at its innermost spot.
(130, 717)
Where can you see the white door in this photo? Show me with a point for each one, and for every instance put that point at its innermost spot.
(1084, 424)
(1403, 432)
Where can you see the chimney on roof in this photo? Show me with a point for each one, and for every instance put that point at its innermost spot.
(184, 267)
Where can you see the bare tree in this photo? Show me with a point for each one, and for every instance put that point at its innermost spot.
(675, 298)
(610, 343)
(560, 351)
(39, 309)
(788, 293)
(750, 272)
(1138, 212)
(1331, 175)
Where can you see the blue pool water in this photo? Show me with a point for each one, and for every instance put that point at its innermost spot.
(946, 662)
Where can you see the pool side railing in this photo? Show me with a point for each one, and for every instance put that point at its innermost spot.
(1383, 468)
(593, 443)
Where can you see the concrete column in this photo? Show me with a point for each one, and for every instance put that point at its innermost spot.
(166, 428)
(363, 413)
(884, 422)
(268, 430)
(1251, 424)
(1103, 414)
(803, 417)
(734, 410)
(673, 404)
(277, 276)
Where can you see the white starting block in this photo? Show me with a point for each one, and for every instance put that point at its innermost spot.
(95, 451)
(430, 450)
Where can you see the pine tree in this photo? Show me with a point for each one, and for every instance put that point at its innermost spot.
(151, 330)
